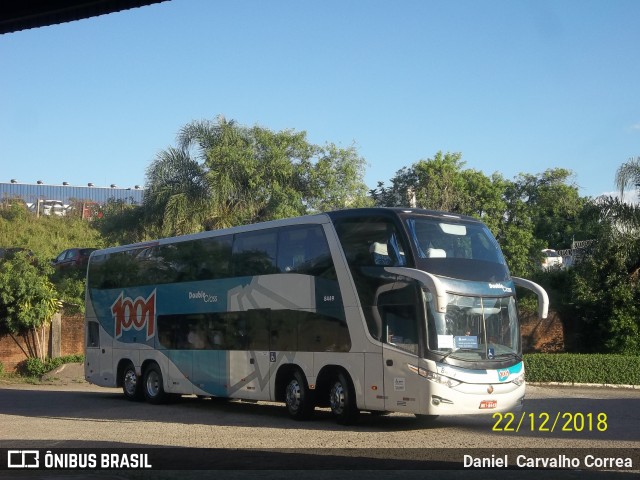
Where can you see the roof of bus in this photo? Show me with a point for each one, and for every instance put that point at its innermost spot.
(393, 211)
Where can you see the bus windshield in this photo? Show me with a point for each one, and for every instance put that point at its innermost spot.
(474, 328)
(456, 250)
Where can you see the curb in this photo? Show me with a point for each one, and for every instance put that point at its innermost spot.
(586, 385)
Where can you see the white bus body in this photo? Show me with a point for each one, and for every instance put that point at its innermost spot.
(401, 310)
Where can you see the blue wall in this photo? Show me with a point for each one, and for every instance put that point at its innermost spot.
(30, 193)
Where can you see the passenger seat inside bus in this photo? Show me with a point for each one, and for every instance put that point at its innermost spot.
(380, 254)
(436, 253)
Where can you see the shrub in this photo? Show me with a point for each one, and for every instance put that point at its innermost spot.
(76, 358)
(583, 368)
(34, 367)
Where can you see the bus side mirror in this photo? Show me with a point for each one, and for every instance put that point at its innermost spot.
(430, 281)
(543, 298)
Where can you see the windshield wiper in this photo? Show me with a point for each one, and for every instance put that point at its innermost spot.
(509, 354)
(458, 350)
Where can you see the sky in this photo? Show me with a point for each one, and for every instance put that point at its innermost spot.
(514, 86)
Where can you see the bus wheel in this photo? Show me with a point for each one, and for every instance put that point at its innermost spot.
(342, 399)
(298, 397)
(131, 384)
(153, 385)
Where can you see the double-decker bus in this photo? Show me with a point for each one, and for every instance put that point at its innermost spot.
(379, 310)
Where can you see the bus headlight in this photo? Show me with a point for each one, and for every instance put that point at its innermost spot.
(519, 380)
(442, 380)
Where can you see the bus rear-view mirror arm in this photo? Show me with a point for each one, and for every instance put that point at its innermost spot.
(543, 298)
(430, 281)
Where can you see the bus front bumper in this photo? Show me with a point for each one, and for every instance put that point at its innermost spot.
(469, 399)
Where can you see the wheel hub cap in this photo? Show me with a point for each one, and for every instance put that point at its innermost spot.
(293, 396)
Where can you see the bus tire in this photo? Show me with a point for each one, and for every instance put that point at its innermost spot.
(131, 384)
(153, 385)
(298, 397)
(342, 399)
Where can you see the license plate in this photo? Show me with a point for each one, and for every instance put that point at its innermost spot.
(488, 404)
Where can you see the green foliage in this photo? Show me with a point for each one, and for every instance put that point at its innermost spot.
(582, 368)
(553, 205)
(35, 367)
(628, 175)
(27, 298)
(120, 224)
(527, 302)
(436, 183)
(485, 199)
(32, 367)
(243, 175)
(440, 185)
(336, 180)
(14, 211)
(70, 285)
(606, 294)
(526, 215)
(45, 236)
(599, 297)
(1, 368)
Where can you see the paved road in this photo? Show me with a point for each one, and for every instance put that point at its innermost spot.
(82, 415)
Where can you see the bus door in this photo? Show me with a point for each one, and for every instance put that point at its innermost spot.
(98, 356)
(399, 350)
(249, 361)
(249, 375)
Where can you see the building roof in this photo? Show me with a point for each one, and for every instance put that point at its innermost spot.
(16, 15)
(67, 194)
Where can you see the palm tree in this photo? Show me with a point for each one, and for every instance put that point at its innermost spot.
(229, 160)
(628, 175)
(223, 174)
(624, 218)
(177, 197)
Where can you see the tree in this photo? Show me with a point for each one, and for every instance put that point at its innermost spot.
(336, 180)
(177, 198)
(121, 223)
(484, 198)
(28, 300)
(224, 174)
(554, 205)
(628, 175)
(401, 193)
(525, 215)
(257, 174)
(437, 183)
(606, 282)
(516, 233)
(440, 185)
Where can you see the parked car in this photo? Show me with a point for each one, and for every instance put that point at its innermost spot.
(551, 259)
(53, 207)
(73, 257)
